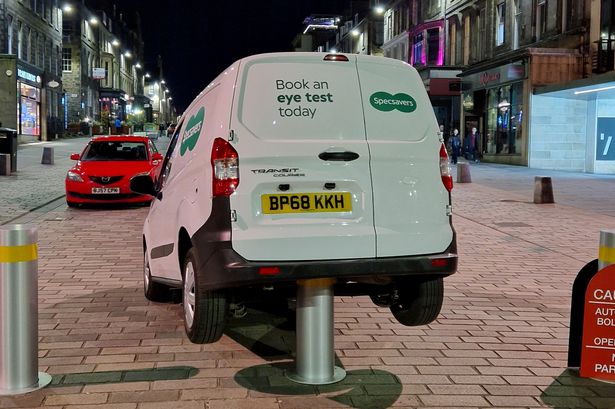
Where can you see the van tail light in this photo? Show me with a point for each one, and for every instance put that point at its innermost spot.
(225, 166)
(445, 169)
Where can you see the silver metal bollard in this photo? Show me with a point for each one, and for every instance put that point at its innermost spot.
(315, 360)
(19, 311)
(606, 253)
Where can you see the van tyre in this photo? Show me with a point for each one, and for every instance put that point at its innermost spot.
(205, 312)
(419, 302)
(153, 291)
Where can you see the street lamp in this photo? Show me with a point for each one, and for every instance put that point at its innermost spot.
(115, 42)
(138, 65)
(67, 8)
(127, 54)
(379, 9)
(93, 20)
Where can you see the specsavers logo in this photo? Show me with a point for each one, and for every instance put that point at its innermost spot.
(383, 101)
(192, 132)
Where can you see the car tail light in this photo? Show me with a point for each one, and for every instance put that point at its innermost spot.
(445, 170)
(225, 166)
(439, 262)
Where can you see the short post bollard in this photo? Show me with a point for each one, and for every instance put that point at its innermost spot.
(47, 156)
(543, 190)
(463, 173)
(606, 252)
(19, 311)
(315, 360)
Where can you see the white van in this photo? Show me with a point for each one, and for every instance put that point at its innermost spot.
(294, 166)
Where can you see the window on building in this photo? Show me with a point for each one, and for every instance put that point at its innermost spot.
(482, 33)
(452, 42)
(504, 119)
(517, 24)
(19, 40)
(417, 49)
(466, 40)
(67, 59)
(541, 19)
(552, 15)
(574, 13)
(500, 24)
(9, 47)
(433, 46)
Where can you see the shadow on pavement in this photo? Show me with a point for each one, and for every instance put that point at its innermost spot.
(170, 373)
(570, 391)
(272, 337)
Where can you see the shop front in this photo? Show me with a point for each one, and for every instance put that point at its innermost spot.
(112, 108)
(29, 97)
(574, 126)
(493, 102)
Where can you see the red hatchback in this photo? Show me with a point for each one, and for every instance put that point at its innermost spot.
(104, 168)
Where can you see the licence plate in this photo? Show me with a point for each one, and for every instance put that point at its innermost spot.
(306, 203)
(105, 190)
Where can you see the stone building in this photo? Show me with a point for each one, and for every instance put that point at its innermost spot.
(509, 49)
(30, 72)
(101, 68)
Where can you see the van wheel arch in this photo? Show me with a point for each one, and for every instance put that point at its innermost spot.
(184, 244)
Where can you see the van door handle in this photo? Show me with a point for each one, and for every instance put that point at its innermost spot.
(339, 156)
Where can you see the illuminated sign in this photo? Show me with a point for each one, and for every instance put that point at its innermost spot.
(25, 75)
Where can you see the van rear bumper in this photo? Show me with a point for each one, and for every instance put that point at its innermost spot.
(225, 268)
(222, 267)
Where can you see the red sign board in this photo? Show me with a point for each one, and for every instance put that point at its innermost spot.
(598, 350)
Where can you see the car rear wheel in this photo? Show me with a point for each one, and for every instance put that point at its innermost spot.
(153, 291)
(419, 302)
(205, 312)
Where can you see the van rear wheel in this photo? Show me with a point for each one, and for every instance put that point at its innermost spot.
(205, 312)
(419, 302)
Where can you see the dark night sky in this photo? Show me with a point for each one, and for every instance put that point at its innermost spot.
(199, 39)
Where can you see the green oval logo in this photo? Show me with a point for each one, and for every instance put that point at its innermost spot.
(192, 131)
(385, 102)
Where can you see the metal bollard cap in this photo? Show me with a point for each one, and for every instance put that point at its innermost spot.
(18, 235)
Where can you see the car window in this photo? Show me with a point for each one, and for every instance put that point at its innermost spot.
(115, 151)
(168, 159)
(152, 149)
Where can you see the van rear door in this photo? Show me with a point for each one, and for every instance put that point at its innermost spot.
(410, 200)
(305, 189)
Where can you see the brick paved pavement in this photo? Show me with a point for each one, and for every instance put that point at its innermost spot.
(501, 340)
(35, 184)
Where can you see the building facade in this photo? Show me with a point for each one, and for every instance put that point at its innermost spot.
(30, 71)
(415, 32)
(511, 48)
(102, 70)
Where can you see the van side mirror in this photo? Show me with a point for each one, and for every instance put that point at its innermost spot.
(143, 184)
(74, 156)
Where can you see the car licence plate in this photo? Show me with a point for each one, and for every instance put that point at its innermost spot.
(306, 203)
(105, 190)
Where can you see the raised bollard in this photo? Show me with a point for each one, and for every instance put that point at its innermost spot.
(606, 252)
(543, 190)
(19, 311)
(315, 360)
(47, 156)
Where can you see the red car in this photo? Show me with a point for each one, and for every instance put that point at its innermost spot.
(104, 168)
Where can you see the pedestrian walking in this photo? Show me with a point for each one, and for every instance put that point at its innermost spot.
(470, 145)
(118, 126)
(455, 144)
(160, 129)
